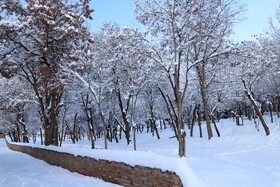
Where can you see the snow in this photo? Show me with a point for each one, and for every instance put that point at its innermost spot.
(241, 157)
(18, 169)
(133, 158)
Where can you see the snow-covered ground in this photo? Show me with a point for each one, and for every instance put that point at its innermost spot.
(241, 157)
(21, 170)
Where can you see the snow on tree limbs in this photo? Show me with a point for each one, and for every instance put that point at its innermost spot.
(39, 38)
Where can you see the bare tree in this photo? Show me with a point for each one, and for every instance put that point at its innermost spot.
(188, 34)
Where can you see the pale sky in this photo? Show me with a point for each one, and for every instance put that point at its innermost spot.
(256, 18)
(121, 12)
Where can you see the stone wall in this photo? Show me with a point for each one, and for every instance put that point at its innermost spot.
(114, 172)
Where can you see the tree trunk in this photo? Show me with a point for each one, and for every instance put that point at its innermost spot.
(41, 135)
(180, 122)
(170, 114)
(116, 134)
(249, 109)
(51, 126)
(155, 128)
(258, 112)
(11, 137)
(218, 116)
(24, 133)
(104, 130)
(199, 121)
(237, 120)
(134, 138)
(120, 134)
(215, 126)
(89, 115)
(271, 112)
(201, 76)
(18, 139)
(189, 111)
(124, 117)
(193, 120)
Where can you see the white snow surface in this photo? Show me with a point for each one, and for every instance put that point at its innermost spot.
(133, 158)
(21, 170)
(241, 157)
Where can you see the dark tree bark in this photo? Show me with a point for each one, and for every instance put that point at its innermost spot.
(199, 121)
(126, 128)
(215, 125)
(170, 113)
(188, 116)
(193, 120)
(72, 132)
(270, 112)
(89, 116)
(201, 77)
(258, 112)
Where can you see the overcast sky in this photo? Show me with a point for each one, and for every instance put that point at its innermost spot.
(121, 12)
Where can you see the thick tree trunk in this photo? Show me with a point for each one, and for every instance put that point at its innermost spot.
(180, 122)
(206, 115)
(51, 132)
(48, 91)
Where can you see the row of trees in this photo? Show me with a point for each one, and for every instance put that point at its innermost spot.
(60, 78)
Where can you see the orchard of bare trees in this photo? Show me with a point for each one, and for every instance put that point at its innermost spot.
(60, 80)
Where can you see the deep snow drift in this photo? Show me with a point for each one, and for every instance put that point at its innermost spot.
(241, 157)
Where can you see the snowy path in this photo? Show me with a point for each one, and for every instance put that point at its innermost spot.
(18, 169)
